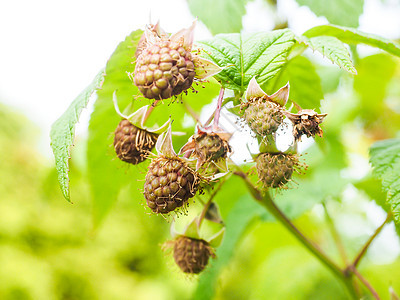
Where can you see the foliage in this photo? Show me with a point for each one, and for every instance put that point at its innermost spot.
(360, 112)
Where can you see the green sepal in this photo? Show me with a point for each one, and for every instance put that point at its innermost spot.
(192, 229)
(216, 240)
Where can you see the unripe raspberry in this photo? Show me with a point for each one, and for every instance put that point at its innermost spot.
(210, 146)
(131, 143)
(275, 169)
(164, 69)
(192, 255)
(263, 116)
(170, 183)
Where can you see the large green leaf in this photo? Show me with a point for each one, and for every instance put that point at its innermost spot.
(354, 36)
(375, 73)
(244, 56)
(107, 174)
(237, 221)
(63, 131)
(305, 84)
(223, 16)
(333, 49)
(385, 158)
(340, 12)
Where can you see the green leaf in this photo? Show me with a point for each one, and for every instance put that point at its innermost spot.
(305, 84)
(107, 174)
(340, 12)
(239, 218)
(374, 76)
(223, 16)
(385, 158)
(63, 131)
(244, 56)
(333, 49)
(354, 36)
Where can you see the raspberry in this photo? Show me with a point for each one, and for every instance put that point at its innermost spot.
(164, 69)
(210, 146)
(192, 255)
(263, 116)
(131, 143)
(275, 169)
(170, 183)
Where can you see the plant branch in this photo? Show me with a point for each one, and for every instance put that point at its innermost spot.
(368, 243)
(365, 282)
(269, 204)
(208, 203)
(335, 235)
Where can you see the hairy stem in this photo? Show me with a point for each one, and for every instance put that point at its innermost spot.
(219, 106)
(365, 282)
(151, 108)
(269, 204)
(335, 235)
(368, 243)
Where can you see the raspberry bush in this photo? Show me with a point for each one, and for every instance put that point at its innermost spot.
(261, 83)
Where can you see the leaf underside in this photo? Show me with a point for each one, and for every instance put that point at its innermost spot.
(63, 131)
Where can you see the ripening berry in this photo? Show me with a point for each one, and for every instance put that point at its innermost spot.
(275, 169)
(263, 116)
(133, 144)
(170, 183)
(164, 69)
(192, 255)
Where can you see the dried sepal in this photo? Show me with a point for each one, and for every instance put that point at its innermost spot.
(164, 144)
(307, 122)
(281, 96)
(254, 90)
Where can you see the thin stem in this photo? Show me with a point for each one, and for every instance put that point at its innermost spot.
(269, 204)
(151, 108)
(191, 112)
(207, 205)
(365, 282)
(335, 235)
(368, 243)
(219, 106)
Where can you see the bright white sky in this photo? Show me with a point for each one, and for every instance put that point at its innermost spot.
(50, 50)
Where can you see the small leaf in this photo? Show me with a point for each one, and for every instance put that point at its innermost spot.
(259, 54)
(340, 12)
(222, 16)
(354, 36)
(385, 158)
(333, 49)
(63, 131)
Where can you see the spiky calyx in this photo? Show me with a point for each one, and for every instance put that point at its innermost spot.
(133, 144)
(164, 69)
(170, 183)
(263, 116)
(275, 169)
(192, 255)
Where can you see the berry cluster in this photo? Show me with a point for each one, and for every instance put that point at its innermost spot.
(166, 67)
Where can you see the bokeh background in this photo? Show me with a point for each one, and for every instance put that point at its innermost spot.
(50, 50)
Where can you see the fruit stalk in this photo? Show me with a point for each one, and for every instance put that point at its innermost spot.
(219, 107)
